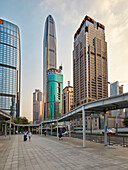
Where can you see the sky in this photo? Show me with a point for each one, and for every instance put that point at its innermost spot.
(30, 16)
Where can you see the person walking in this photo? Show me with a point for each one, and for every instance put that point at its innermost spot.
(25, 135)
(45, 132)
(60, 135)
(29, 135)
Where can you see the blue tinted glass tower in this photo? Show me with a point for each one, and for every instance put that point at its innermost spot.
(10, 67)
(49, 53)
(54, 93)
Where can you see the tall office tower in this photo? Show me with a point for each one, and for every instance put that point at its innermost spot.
(38, 106)
(10, 68)
(54, 93)
(49, 52)
(90, 73)
(116, 89)
(67, 98)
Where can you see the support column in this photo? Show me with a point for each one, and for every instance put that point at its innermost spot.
(57, 128)
(84, 135)
(17, 129)
(51, 129)
(69, 130)
(2, 129)
(41, 129)
(14, 130)
(5, 133)
(105, 129)
(10, 130)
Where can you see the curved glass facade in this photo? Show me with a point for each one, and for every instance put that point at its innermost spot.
(9, 68)
(54, 94)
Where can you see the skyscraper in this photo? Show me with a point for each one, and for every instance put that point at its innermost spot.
(67, 99)
(10, 68)
(49, 52)
(38, 106)
(116, 89)
(90, 72)
(54, 93)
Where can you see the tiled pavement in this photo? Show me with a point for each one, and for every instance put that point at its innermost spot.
(48, 153)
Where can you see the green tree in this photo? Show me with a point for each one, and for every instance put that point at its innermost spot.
(125, 122)
(20, 120)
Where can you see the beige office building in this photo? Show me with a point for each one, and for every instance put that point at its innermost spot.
(38, 106)
(67, 99)
(90, 70)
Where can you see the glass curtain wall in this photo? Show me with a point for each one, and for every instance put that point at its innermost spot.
(9, 68)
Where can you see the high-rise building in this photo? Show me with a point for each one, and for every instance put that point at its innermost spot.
(90, 72)
(116, 89)
(10, 68)
(54, 93)
(67, 98)
(49, 52)
(38, 106)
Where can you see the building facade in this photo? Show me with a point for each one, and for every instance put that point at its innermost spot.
(67, 99)
(38, 106)
(90, 71)
(116, 89)
(10, 68)
(49, 52)
(54, 93)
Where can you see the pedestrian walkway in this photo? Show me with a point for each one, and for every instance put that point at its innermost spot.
(49, 153)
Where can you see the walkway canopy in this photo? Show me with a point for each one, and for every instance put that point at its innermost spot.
(4, 116)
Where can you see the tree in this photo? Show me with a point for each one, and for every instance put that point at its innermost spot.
(20, 120)
(125, 122)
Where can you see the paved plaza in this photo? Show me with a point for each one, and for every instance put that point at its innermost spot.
(48, 153)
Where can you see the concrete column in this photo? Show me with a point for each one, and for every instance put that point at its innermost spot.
(84, 136)
(5, 129)
(10, 130)
(105, 129)
(51, 129)
(17, 129)
(57, 128)
(2, 129)
(69, 130)
(14, 130)
(41, 129)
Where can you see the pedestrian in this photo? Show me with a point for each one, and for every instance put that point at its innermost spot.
(29, 135)
(45, 132)
(60, 135)
(25, 135)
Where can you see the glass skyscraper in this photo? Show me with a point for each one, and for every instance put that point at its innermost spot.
(10, 67)
(49, 53)
(54, 93)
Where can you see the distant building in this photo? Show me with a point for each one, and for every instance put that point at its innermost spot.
(10, 68)
(54, 93)
(90, 70)
(67, 98)
(38, 106)
(116, 89)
